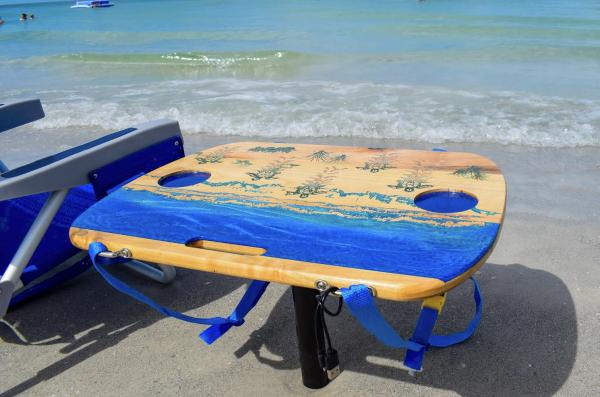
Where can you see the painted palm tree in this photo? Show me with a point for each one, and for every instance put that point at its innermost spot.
(378, 163)
(243, 163)
(338, 158)
(271, 170)
(272, 149)
(316, 184)
(472, 172)
(215, 156)
(416, 178)
(321, 155)
(327, 157)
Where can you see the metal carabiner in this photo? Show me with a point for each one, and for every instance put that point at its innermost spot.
(323, 285)
(338, 293)
(122, 253)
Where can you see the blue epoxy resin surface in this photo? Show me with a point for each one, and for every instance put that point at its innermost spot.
(418, 249)
(349, 207)
(445, 201)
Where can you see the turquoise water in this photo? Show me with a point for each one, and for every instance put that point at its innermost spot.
(502, 71)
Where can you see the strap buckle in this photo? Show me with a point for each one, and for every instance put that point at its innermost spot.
(436, 302)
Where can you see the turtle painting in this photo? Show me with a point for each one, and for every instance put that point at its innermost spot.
(409, 185)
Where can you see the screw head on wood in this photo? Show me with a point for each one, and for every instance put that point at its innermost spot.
(321, 285)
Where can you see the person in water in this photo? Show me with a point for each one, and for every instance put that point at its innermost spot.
(1, 21)
(23, 17)
(31, 16)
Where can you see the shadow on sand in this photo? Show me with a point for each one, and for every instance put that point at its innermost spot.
(104, 319)
(525, 345)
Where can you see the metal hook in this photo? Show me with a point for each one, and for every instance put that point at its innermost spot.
(122, 253)
(323, 285)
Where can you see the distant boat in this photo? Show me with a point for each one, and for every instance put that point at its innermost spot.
(92, 4)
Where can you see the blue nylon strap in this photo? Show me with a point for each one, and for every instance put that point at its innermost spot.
(422, 335)
(219, 325)
(424, 329)
(359, 300)
(459, 337)
(249, 300)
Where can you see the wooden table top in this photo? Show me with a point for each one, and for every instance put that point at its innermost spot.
(295, 214)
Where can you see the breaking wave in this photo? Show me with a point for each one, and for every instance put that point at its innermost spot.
(221, 60)
(274, 109)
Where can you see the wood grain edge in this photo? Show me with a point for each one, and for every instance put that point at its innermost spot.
(304, 274)
(463, 277)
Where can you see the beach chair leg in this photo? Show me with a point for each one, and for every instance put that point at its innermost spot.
(11, 280)
(160, 273)
(308, 329)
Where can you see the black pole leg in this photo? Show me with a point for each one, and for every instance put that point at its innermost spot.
(313, 376)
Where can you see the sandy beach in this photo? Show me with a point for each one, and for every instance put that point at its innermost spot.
(538, 335)
(515, 81)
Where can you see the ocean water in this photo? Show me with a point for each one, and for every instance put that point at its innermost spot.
(523, 72)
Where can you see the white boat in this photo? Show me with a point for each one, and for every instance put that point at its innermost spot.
(92, 4)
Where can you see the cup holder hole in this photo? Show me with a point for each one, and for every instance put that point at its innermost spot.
(445, 201)
(183, 179)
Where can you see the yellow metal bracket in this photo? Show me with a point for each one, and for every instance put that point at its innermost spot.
(435, 302)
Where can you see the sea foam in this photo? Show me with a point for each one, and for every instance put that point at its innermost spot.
(274, 109)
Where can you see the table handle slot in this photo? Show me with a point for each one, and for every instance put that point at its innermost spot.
(225, 247)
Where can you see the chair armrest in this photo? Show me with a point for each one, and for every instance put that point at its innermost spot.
(71, 167)
(15, 114)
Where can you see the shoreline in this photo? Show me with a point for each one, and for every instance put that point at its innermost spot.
(517, 82)
(539, 171)
(28, 144)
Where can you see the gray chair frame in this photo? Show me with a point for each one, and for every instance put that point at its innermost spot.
(59, 173)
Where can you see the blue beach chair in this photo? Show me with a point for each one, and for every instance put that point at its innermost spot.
(40, 200)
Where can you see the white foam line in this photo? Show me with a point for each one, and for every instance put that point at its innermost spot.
(319, 108)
